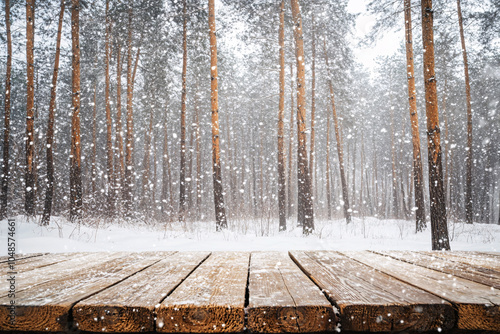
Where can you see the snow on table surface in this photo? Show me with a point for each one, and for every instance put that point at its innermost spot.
(242, 235)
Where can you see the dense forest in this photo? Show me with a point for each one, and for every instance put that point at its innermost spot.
(189, 110)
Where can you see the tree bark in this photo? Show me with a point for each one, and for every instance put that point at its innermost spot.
(438, 207)
(167, 204)
(29, 204)
(129, 139)
(109, 124)
(345, 192)
(198, 156)
(313, 102)
(469, 212)
(119, 128)
(290, 145)
(418, 175)
(328, 187)
(49, 194)
(281, 128)
(6, 133)
(305, 217)
(93, 168)
(146, 179)
(182, 181)
(395, 198)
(76, 203)
(220, 211)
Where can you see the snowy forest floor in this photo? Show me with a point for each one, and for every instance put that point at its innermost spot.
(242, 235)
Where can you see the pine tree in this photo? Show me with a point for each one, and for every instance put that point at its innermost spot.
(76, 203)
(109, 124)
(182, 174)
(438, 207)
(338, 137)
(281, 129)
(469, 212)
(49, 193)
(305, 217)
(6, 134)
(220, 211)
(29, 199)
(418, 178)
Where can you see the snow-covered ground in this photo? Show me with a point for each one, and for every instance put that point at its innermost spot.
(244, 235)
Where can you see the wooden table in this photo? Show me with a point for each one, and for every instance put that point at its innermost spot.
(259, 292)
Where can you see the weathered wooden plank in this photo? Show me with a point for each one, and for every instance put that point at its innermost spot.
(211, 299)
(31, 278)
(282, 299)
(469, 258)
(485, 276)
(129, 306)
(46, 307)
(31, 263)
(20, 256)
(369, 300)
(497, 254)
(477, 305)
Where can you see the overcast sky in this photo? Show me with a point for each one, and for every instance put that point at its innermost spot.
(385, 46)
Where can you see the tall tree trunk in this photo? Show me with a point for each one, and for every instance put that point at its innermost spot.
(469, 213)
(281, 127)
(146, 179)
(313, 101)
(446, 148)
(29, 204)
(418, 175)
(198, 155)
(345, 192)
(395, 198)
(167, 203)
(76, 203)
(182, 181)
(6, 133)
(353, 203)
(49, 194)
(328, 187)
(437, 199)
(127, 186)
(109, 125)
(361, 163)
(220, 211)
(305, 216)
(93, 168)
(129, 139)
(119, 128)
(290, 145)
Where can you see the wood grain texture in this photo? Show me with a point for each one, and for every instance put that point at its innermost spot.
(469, 258)
(477, 305)
(211, 299)
(46, 306)
(283, 300)
(30, 263)
(369, 300)
(30, 278)
(20, 257)
(481, 275)
(129, 306)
